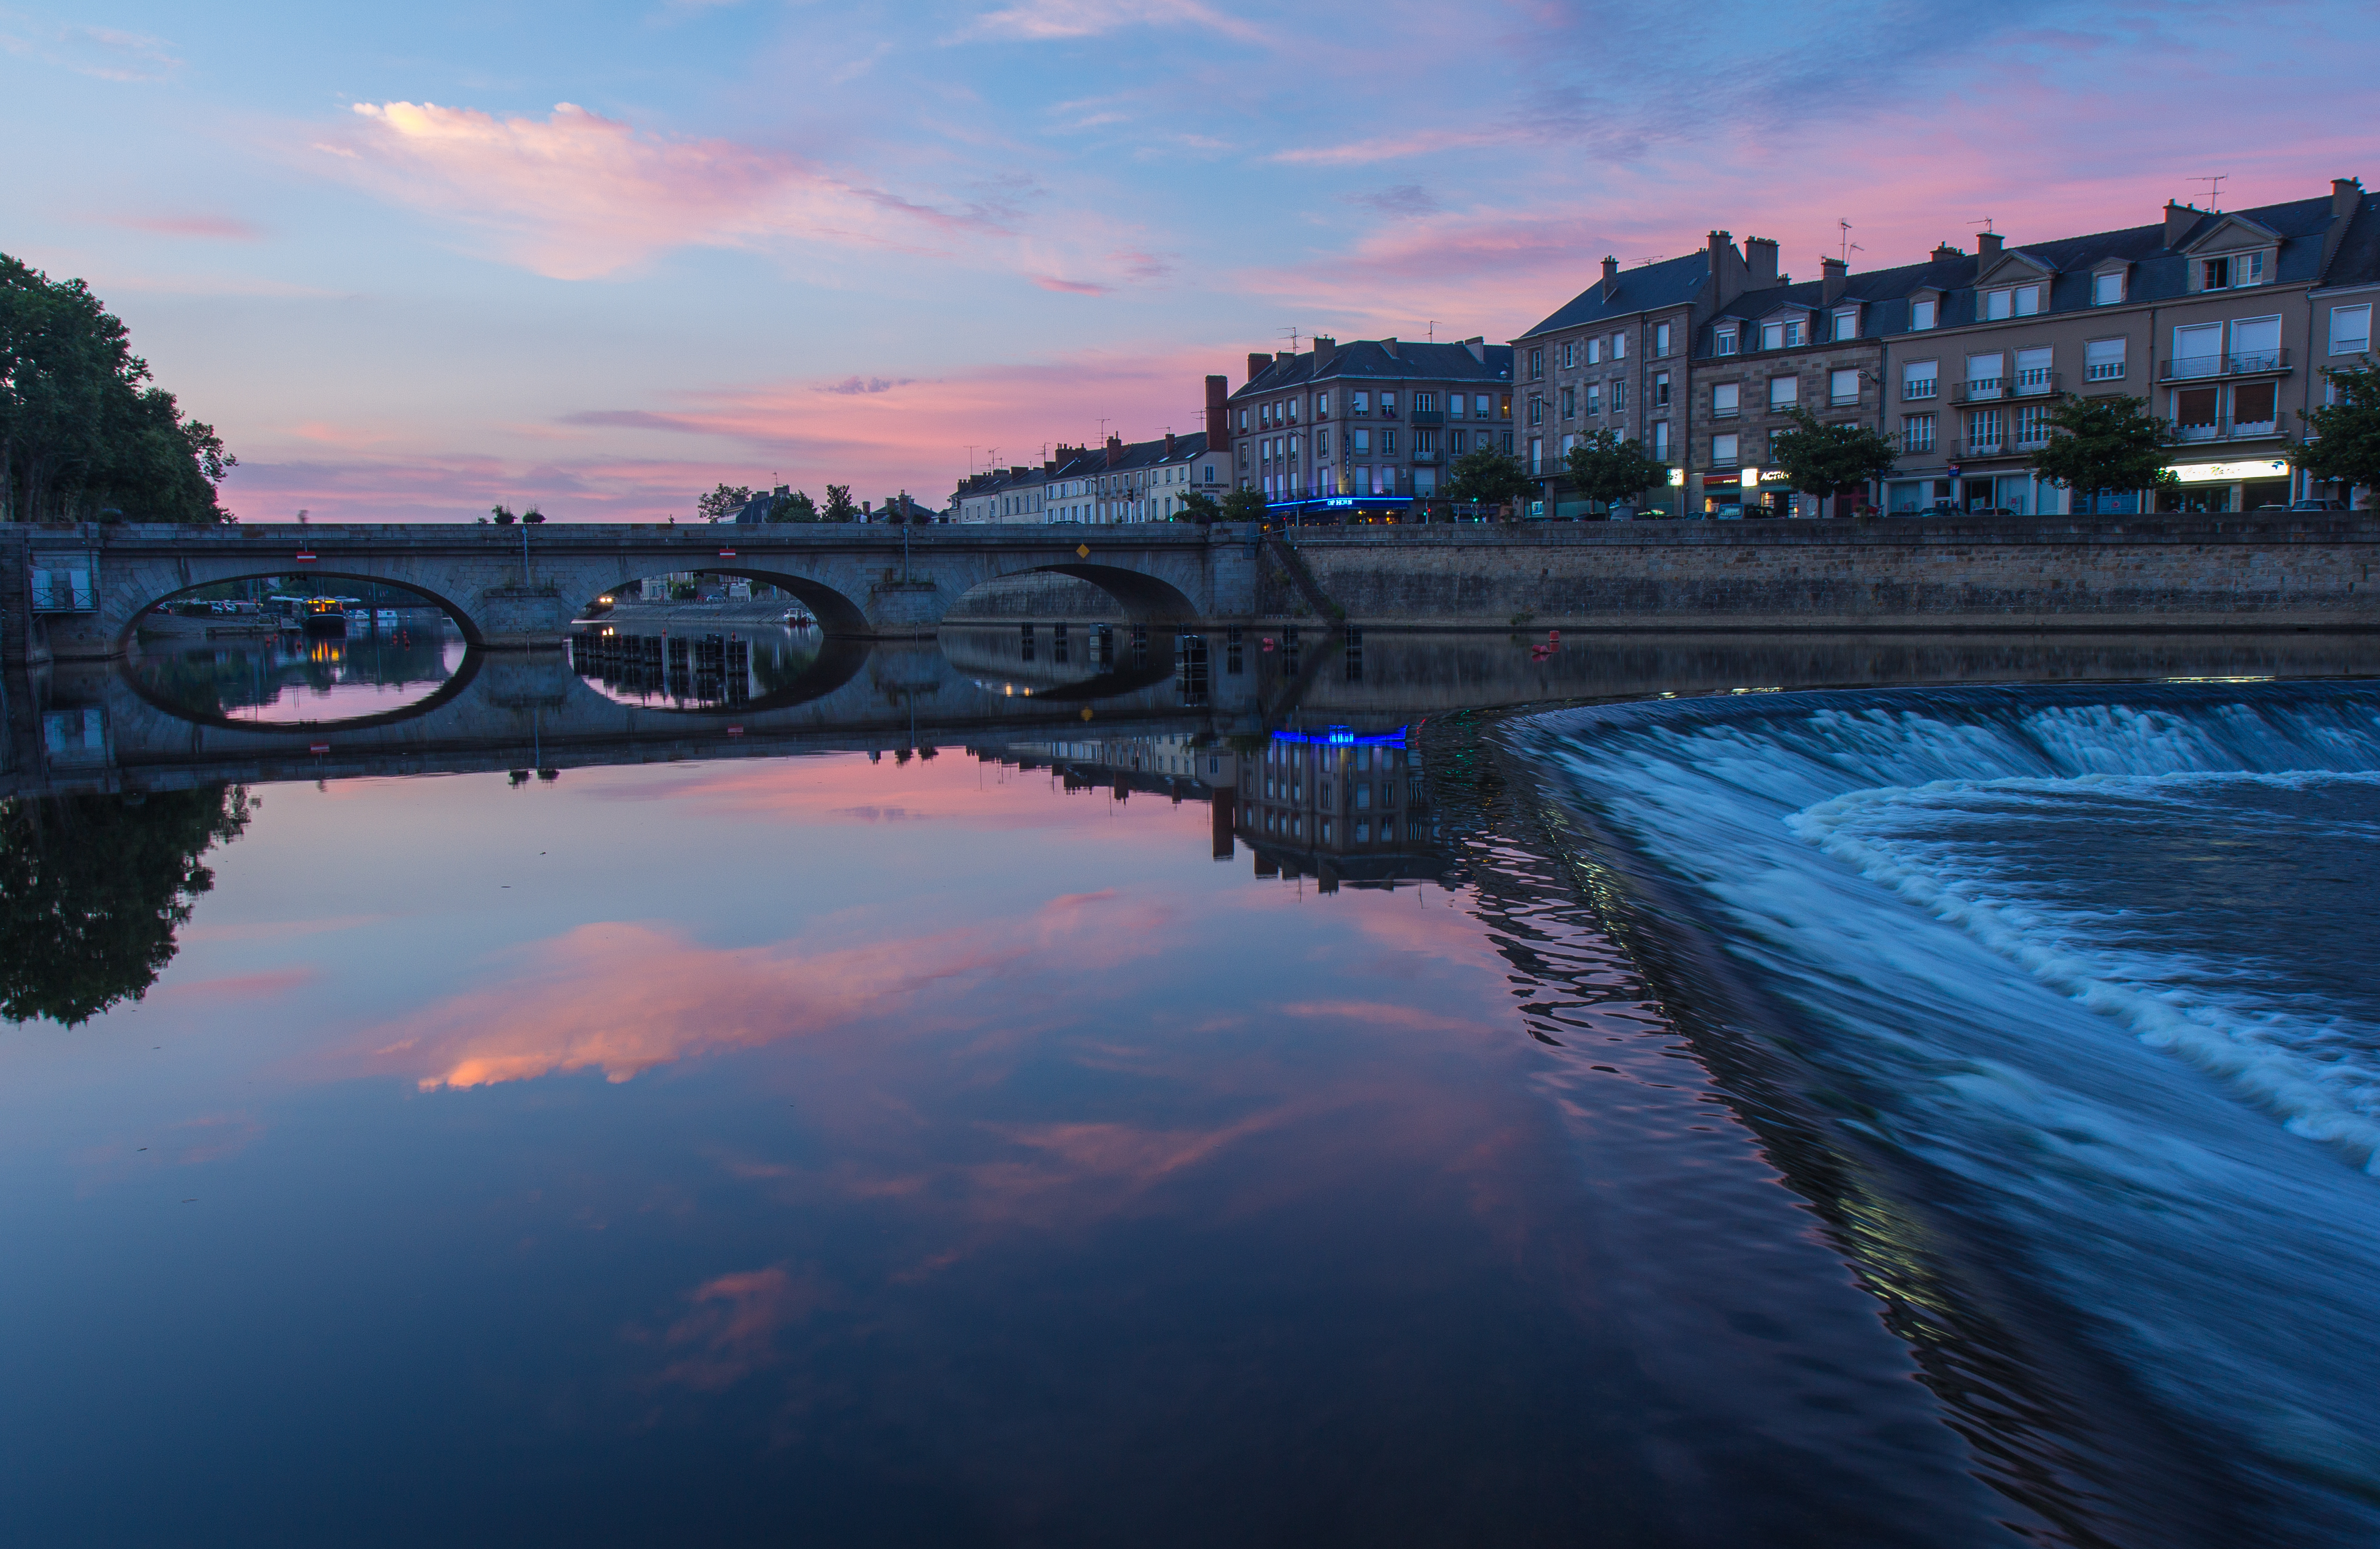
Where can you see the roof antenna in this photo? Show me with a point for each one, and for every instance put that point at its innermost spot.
(1985, 219)
(2214, 190)
(1292, 339)
(1849, 246)
(1433, 330)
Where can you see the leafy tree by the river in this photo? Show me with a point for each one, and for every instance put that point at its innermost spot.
(1607, 466)
(92, 889)
(796, 506)
(2345, 432)
(2111, 445)
(1244, 505)
(1199, 507)
(721, 503)
(1824, 459)
(83, 435)
(840, 506)
(532, 516)
(1489, 478)
(504, 514)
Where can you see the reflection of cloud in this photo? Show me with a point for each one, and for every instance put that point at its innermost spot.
(731, 1332)
(1384, 1014)
(212, 1138)
(623, 998)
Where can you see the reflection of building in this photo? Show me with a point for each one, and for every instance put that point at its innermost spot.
(1341, 806)
(1179, 768)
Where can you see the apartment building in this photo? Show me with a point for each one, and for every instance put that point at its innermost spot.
(2221, 320)
(1122, 482)
(1376, 417)
(1616, 357)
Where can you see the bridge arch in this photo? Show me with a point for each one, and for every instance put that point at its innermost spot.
(1140, 597)
(454, 610)
(836, 613)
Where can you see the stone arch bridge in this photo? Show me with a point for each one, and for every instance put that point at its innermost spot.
(519, 587)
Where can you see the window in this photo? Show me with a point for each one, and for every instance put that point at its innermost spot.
(1619, 347)
(1457, 442)
(1568, 403)
(1243, 418)
(1424, 402)
(1425, 443)
(1983, 431)
(1536, 455)
(1660, 389)
(1537, 409)
(1362, 404)
(1322, 405)
(1388, 404)
(1594, 398)
(1479, 408)
(1917, 432)
(1844, 386)
(2256, 344)
(1567, 351)
(2350, 330)
(2107, 289)
(1984, 376)
(2223, 274)
(1723, 340)
(2197, 413)
(1847, 323)
(1508, 444)
(1724, 400)
(2027, 300)
(1619, 395)
(1537, 363)
(1361, 440)
(2253, 407)
(2033, 373)
(1661, 340)
(1723, 451)
(1772, 335)
(1993, 306)
(2103, 361)
(2033, 427)
(1784, 391)
(2198, 351)
(1322, 442)
(1290, 409)
(1595, 352)
(1661, 440)
(1920, 379)
(1454, 406)
(1921, 314)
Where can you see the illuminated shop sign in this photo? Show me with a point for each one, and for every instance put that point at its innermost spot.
(1344, 736)
(2231, 472)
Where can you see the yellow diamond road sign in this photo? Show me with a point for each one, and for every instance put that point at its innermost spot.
(1082, 551)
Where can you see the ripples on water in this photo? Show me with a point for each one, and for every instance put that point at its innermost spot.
(2087, 970)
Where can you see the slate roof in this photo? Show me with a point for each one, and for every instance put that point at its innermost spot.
(2358, 259)
(1670, 283)
(1369, 360)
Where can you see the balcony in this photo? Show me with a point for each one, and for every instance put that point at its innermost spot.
(2105, 371)
(1427, 416)
(1991, 448)
(2230, 429)
(2032, 440)
(1982, 389)
(1913, 391)
(1425, 454)
(2037, 383)
(2246, 362)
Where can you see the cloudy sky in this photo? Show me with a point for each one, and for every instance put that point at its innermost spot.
(415, 260)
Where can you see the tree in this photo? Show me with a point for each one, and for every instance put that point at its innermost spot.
(2106, 444)
(1200, 507)
(532, 516)
(1489, 478)
(838, 506)
(1244, 505)
(503, 514)
(796, 506)
(92, 888)
(2343, 435)
(1606, 466)
(81, 437)
(1823, 459)
(721, 503)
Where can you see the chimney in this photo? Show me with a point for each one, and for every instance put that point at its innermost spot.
(1218, 414)
(1169, 443)
(1389, 345)
(1988, 247)
(1324, 350)
(1050, 465)
(1285, 355)
(1257, 364)
(1760, 256)
(1115, 450)
(1831, 272)
(2179, 219)
(1611, 276)
(2346, 193)
(1478, 345)
(1016, 472)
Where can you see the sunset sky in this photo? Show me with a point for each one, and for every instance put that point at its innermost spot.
(599, 257)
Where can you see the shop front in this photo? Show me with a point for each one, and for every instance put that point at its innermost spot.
(1754, 493)
(2226, 486)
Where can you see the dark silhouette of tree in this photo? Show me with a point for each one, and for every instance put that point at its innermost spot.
(2345, 432)
(2111, 444)
(721, 503)
(1832, 460)
(796, 506)
(1244, 505)
(839, 504)
(1489, 478)
(92, 889)
(1609, 466)
(1200, 507)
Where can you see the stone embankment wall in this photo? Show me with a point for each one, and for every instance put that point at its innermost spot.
(1040, 598)
(2304, 571)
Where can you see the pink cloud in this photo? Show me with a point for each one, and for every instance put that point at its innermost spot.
(227, 227)
(241, 987)
(1050, 20)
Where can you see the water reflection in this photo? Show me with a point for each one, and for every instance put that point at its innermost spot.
(688, 660)
(367, 662)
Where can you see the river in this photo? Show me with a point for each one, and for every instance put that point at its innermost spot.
(1926, 1104)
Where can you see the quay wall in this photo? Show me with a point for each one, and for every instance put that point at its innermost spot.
(2298, 571)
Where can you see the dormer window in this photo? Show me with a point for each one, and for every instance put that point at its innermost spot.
(2023, 301)
(1723, 340)
(1847, 323)
(2224, 274)
(2109, 289)
(1922, 312)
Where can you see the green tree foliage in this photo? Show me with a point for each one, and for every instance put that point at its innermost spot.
(2102, 445)
(84, 436)
(840, 506)
(1244, 505)
(1200, 507)
(92, 889)
(721, 503)
(533, 516)
(796, 506)
(1823, 459)
(1606, 466)
(1489, 478)
(504, 514)
(2345, 432)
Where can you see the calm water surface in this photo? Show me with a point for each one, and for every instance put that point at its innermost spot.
(1735, 1122)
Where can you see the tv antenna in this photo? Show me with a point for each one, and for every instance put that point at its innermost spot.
(2214, 189)
(1433, 330)
(1985, 219)
(970, 451)
(1293, 334)
(1849, 246)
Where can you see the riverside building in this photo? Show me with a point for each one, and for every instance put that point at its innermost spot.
(1374, 418)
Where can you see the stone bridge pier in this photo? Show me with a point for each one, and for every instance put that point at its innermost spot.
(518, 588)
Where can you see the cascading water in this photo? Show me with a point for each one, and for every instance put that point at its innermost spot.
(2086, 967)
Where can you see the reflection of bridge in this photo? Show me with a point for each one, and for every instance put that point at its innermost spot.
(88, 727)
(520, 586)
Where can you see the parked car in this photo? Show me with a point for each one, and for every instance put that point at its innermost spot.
(2317, 506)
